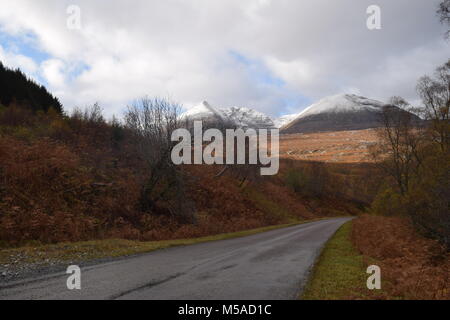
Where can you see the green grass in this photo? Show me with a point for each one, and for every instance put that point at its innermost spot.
(340, 272)
(89, 250)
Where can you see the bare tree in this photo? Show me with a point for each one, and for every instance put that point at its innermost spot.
(444, 14)
(417, 157)
(152, 122)
(435, 94)
(398, 152)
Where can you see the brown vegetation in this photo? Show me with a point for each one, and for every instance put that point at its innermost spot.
(354, 183)
(80, 177)
(415, 160)
(334, 147)
(412, 267)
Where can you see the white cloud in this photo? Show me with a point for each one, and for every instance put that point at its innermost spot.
(17, 60)
(296, 72)
(181, 49)
(53, 71)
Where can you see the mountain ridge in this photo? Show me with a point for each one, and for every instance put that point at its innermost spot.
(242, 117)
(333, 113)
(338, 113)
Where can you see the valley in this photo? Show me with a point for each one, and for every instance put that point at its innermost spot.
(339, 146)
(227, 150)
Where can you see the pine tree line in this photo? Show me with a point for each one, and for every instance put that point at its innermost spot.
(17, 88)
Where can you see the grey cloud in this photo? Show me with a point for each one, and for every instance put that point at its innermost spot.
(181, 48)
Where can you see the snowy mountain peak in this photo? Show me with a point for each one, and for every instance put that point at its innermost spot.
(240, 116)
(342, 110)
(336, 113)
(248, 118)
(203, 111)
(341, 103)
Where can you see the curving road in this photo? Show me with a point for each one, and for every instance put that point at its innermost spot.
(269, 265)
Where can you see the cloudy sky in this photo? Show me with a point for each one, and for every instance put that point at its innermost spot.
(276, 56)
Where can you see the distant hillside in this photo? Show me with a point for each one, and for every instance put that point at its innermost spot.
(337, 113)
(15, 87)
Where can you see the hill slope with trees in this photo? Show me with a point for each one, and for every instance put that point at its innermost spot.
(17, 89)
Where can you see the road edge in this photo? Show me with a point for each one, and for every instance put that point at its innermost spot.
(87, 253)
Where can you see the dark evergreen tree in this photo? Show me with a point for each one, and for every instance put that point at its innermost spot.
(16, 87)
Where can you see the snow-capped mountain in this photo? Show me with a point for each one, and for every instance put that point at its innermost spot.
(341, 103)
(248, 118)
(339, 112)
(335, 113)
(239, 116)
(204, 111)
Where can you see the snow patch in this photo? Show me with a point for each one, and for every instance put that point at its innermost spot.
(284, 120)
(341, 103)
(241, 116)
(203, 111)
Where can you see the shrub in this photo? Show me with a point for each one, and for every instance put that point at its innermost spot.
(388, 202)
(428, 201)
(309, 180)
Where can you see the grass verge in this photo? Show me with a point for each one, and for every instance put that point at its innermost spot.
(54, 254)
(339, 272)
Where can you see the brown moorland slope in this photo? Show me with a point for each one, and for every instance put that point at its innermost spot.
(340, 146)
(79, 177)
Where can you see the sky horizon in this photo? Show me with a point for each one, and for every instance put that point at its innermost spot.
(276, 57)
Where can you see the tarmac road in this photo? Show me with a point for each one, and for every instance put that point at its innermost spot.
(269, 265)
